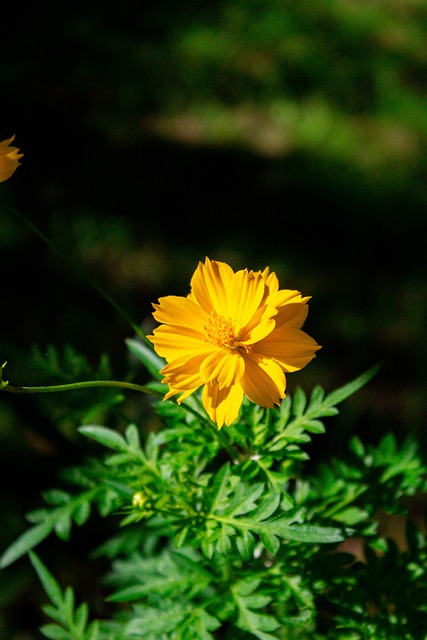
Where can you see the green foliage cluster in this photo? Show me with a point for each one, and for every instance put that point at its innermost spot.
(234, 534)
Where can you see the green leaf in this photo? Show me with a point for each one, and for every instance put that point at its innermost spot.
(246, 544)
(68, 604)
(337, 396)
(170, 619)
(53, 590)
(388, 446)
(71, 622)
(247, 585)
(132, 436)
(351, 515)
(92, 632)
(200, 624)
(168, 582)
(56, 496)
(181, 537)
(81, 616)
(357, 447)
(53, 632)
(267, 507)
(314, 426)
(219, 490)
(28, 540)
(299, 402)
(137, 592)
(63, 527)
(307, 532)
(105, 436)
(270, 541)
(149, 358)
(223, 542)
(244, 499)
(167, 575)
(247, 598)
(53, 612)
(317, 395)
(161, 584)
(257, 601)
(81, 513)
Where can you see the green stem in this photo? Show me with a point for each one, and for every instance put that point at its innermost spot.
(72, 386)
(101, 383)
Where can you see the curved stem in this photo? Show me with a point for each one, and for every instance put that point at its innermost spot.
(72, 386)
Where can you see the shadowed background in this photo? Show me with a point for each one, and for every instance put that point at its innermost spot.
(258, 132)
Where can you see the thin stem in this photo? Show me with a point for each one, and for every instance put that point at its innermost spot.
(72, 386)
(137, 329)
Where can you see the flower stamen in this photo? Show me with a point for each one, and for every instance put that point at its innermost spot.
(220, 331)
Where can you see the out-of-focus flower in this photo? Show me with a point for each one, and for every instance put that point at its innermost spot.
(236, 333)
(9, 159)
(139, 499)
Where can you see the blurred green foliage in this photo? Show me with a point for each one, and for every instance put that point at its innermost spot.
(260, 132)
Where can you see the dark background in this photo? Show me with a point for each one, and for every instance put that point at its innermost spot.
(255, 132)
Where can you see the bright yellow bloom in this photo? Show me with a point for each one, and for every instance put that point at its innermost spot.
(9, 159)
(237, 334)
(139, 499)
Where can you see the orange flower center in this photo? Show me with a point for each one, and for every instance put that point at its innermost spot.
(220, 331)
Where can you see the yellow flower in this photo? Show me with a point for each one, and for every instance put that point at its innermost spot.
(9, 159)
(237, 334)
(139, 499)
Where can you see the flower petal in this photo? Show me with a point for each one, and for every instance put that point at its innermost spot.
(172, 342)
(271, 283)
(264, 381)
(184, 373)
(283, 296)
(9, 159)
(261, 324)
(224, 367)
(245, 293)
(173, 392)
(222, 405)
(290, 347)
(180, 311)
(182, 376)
(209, 286)
(292, 314)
